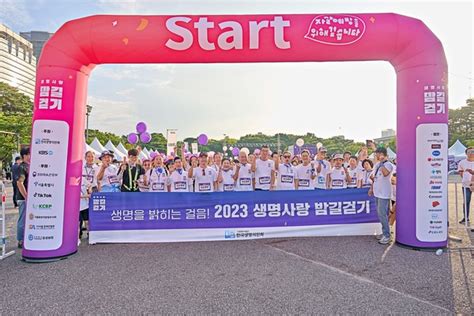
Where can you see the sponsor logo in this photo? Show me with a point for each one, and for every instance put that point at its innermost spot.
(45, 152)
(37, 141)
(436, 187)
(42, 195)
(435, 197)
(436, 222)
(435, 203)
(435, 146)
(229, 234)
(338, 29)
(436, 153)
(436, 164)
(435, 192)
(42, 206)
(30, 237)
(434, 216)
(436, 177)
(435, 159)
(31, 216)
(436, 182)
(435, 171)
(34, 173)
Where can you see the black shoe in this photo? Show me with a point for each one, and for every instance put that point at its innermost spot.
(20, 244)
(464, 221)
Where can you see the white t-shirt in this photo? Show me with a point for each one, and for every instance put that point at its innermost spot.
(89, 179)
(338, 178)
(244, 180)
(263, 174)
(320, 182)
(204, 181)
(382, 185)
(366, 181)
(394, 193)
(286, 177)
(467, 178)
(228, 182)
(110, 178)
(178, 181)
(158, 179)
(355, 175)
(141, 182)
(303, 174)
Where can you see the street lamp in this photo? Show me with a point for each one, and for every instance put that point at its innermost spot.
(88, 112)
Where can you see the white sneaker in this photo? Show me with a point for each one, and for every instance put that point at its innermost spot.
(78, 242)
(378, 237)
(384, 240)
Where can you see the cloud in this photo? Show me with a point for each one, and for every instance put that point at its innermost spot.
(15, 13)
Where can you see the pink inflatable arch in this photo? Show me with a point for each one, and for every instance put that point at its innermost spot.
(79, 45)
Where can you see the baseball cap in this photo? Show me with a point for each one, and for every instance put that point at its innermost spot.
(322, 149)
(338, 156)
(106, 153)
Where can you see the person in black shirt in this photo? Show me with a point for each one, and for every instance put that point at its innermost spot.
(22, 194)
(15, 175)
(130, 172)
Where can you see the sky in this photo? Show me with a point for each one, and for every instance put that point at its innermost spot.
(354, 99)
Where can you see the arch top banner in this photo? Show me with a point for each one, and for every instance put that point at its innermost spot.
(241, 38)
(70, 55)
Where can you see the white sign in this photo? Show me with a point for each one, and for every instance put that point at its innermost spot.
(432, 182)
(194, 148)
(171, 141)
(46, 185)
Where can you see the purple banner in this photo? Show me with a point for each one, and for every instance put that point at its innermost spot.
(132, 211)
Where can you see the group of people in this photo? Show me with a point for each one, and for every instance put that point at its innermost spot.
(261, 171)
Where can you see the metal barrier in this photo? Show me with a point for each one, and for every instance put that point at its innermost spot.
(3, 237)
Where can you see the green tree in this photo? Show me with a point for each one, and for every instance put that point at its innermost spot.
(16, 111)
(461, 124)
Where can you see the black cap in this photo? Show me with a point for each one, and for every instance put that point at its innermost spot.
(25, 151)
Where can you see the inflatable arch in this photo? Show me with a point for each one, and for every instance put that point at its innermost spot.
(78, 46)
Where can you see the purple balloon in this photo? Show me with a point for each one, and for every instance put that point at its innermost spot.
(132, 138)
(141, 127)
(145, 137)
(153, 155)
(235, 151)
(202, 139)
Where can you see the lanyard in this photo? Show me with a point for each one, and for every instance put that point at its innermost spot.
(322, 162)
(87, 172)
(132, 183)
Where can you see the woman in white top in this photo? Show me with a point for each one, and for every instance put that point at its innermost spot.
(366, 173)
(205, 177)
(107, 176)
(305, 173)
(355, 174)
(142, 186)
(243, 175)
(225, 178)
(157, 177)
(286, 173)
(338, 177)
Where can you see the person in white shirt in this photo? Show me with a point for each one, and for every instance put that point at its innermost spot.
(355, 174)
(382, 191)
(225, 178)
(243, 175)
(338, 177)
(286, 173)
(193, 162)
(347, 155)
(88, 185)
(217, 162)
(466, 171)
(305, 173)
(142, 187)
(322, 168)
(367, 173)
(205, 177)
(264, 169)
(178, 180)
(157, 177)
(107, 176)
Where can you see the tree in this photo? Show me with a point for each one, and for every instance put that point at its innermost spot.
(16, 111)
(461, 124)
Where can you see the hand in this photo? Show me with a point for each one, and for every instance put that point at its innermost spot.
(371, 192)
(470, 171)
(123, 167)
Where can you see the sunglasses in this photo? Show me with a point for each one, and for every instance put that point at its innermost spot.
(286, 157)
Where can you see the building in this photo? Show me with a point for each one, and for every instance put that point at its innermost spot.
(38, 39)
(387, 136)
(17, 62)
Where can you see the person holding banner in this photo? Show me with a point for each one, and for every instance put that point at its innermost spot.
(225, 176)
(264, 169)
(130, 172)
(322, 168)
(382, 191)
(88, 185)
(142, 186)
(338, 177)
(243, 173)
(205, 177)
(305, 173)
(178, 180)
(286, 173)
(355, 174)
(466, 171)
(107, 179)
(157, 177)
(367, 165)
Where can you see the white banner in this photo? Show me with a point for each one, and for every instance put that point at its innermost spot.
(194, 148)
(171, 141)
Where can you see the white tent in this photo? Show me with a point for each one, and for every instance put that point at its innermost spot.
(117, 154)
(146, 152)
(122, 149)
(97, 146)
(391, 154)
(457, 150)
(142, 155)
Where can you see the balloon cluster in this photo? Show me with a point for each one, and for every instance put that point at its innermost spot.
(141, 133)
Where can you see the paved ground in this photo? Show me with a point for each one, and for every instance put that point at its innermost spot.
(343, 275)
